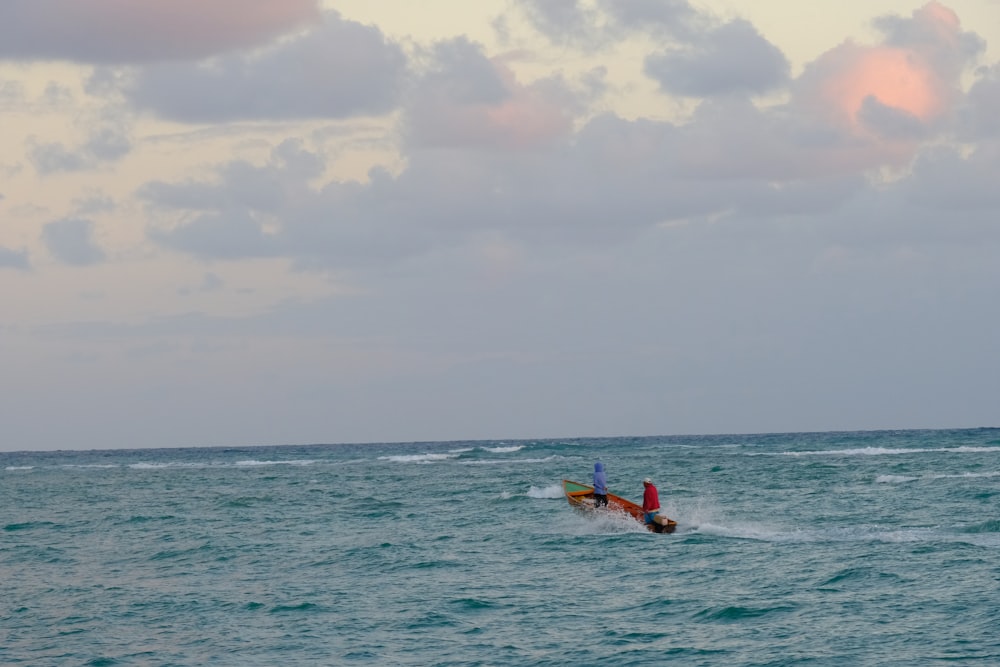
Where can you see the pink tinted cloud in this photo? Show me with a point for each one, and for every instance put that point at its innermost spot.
(912, 75)
(125, 31)
(898, 78)
(526, 116)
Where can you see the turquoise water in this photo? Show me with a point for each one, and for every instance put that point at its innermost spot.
(869, 548)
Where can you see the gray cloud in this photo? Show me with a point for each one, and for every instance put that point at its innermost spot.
(562, 20)
(49, 158)
(234, 234)
(676, 17)
(12, 94)
(71, 241)
(461, 72)
(981, 114)
(338, 70)
(114, 32)
(889, 122)
(93, 202)
(109, 140)
(609, 182)
(949, 49)
(465, 99)
(613, 180)
(575, 23)
(14, 259)
(943, 180)
(733, 58)
(704, 57)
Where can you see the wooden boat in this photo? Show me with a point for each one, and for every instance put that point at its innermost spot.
(581, 497)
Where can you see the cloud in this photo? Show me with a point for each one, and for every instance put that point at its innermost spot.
(493, 165)
(562, 20)
(338, 70)
(12, 94)
(467, 99)
(981, 115)
(49, 158)
(229, 219)
(229, 234)
(945, 180)
(123, 31)
(733, 58)
(935, 32)
(890, 122)
(108, 141)
(911, 79)
(838, 83)
(104, 145)
(70, 240)
(591, 25)
(672, 16)
(14, 259)
(607, 183)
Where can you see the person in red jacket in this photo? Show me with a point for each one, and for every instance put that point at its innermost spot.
(650, 501)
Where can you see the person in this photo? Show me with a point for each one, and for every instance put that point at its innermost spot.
(650, 502)
(600, 486)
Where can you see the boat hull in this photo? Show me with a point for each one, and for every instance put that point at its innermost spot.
(581, 497)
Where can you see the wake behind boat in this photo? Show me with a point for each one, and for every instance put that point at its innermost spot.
(581, 497)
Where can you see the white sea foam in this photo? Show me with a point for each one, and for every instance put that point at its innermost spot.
(704, 516)
(19, 468)
(880, 451)
(292, 462)
(418, 458)
(603, 522)
(893, 479)
(246, 463)
(504, 450)
(547, 492)
(501, 462)
(743, 531)
(163, 466)
(871, 533)
(88, 465)
(898, 479)
(966, 475)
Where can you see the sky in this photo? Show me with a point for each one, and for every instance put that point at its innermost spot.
(253, 222)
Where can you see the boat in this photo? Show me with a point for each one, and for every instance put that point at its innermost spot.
(581, 497)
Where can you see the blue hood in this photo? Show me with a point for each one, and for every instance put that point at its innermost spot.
(600, 479)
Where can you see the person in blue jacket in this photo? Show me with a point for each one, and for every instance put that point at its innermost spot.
(600, 486)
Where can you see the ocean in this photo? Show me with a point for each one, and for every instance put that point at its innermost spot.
(859, 548)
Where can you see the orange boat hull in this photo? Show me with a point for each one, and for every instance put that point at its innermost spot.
(581, 496)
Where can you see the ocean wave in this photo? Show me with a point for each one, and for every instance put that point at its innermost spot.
(495, 462)
(894, 479)
(842, 534)
(547, 492)
(143, 465)
(602, 523)
(504, 450)
(98, 466)
(19, 468)
(989, 526)
(418, 458)
(292, 462)
(744, 531)
(966, 475)
(736, 614)
(881, 451)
